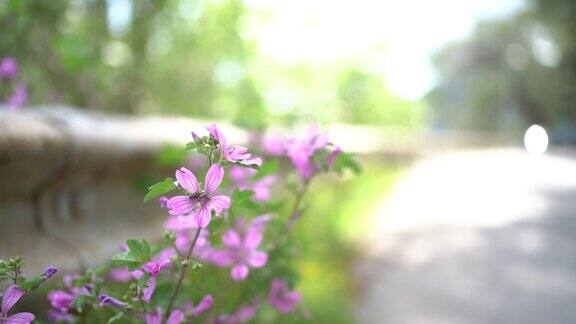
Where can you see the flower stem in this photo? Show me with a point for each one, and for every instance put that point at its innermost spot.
(295, 213)
(185, 265)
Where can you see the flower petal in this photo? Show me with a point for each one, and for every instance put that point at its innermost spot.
(231, 238)
(203, 305)
(202, 217)
(257, 259)
(176, 317)
(219, 203)
(11, 297)
(217, 134)
(213, 177)
(20, 318)
(149, 290)
(180, 205)
(221, 258)
(253, 237)
(239, 272)
(187, 180)
(154, 318)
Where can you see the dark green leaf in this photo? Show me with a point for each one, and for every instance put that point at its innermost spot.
(31, 284)
(242, 201)
(139, 253)
(160, 189)
(346, 161)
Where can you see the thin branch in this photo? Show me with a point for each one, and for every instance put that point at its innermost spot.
(185, 265)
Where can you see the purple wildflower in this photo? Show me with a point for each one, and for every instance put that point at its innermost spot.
(10, 298)
(185, 228)
(241, 315)
(56, 316)
(121, 274)
(204, 305)
(301, 151)
(234, 154)
(18, 98)
(200, 203)
(177, 316)
(50, 271)
(241, 251)
(8, 67)
(111, 301)
(61, 300)
(273, 145)
(282, 298)
(155, 267)
(261, 187)
(163, 202)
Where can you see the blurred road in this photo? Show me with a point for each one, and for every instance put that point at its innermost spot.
(475, 237)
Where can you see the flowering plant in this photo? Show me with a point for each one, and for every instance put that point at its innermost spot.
(13, 90)
(225, 254)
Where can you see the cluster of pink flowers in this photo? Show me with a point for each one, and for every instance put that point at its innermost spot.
(241, 248)
(238, 247)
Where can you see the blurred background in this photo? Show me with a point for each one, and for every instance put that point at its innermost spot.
(461, 112)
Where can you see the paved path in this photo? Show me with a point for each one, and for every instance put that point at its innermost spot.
(475, 237)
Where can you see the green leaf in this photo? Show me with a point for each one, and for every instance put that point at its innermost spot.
(242, 201)
(191, 146)
(139, 248)
(160, 189)
(346, 161)
(139, 253)
(124, 259)
(31, 284)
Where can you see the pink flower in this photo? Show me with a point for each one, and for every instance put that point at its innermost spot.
(234, 154)
(241, 251)
(111, 301)
(301, 151)
(185, 229)
(177, 316)
(204, 305)
(121, 274)
(56, 316)
(261, 187)
(8, 67)
(241, 315)
(273, 145)
(10, 298)
(18, 98)
(201, 202)
(282, 298)
(155, 267)
(61, 300)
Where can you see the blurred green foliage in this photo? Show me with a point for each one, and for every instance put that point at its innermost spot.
(512, 73)
(189, 57)
(328, 239)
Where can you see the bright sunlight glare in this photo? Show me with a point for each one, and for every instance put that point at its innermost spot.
(395, 39)
(536, 140)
